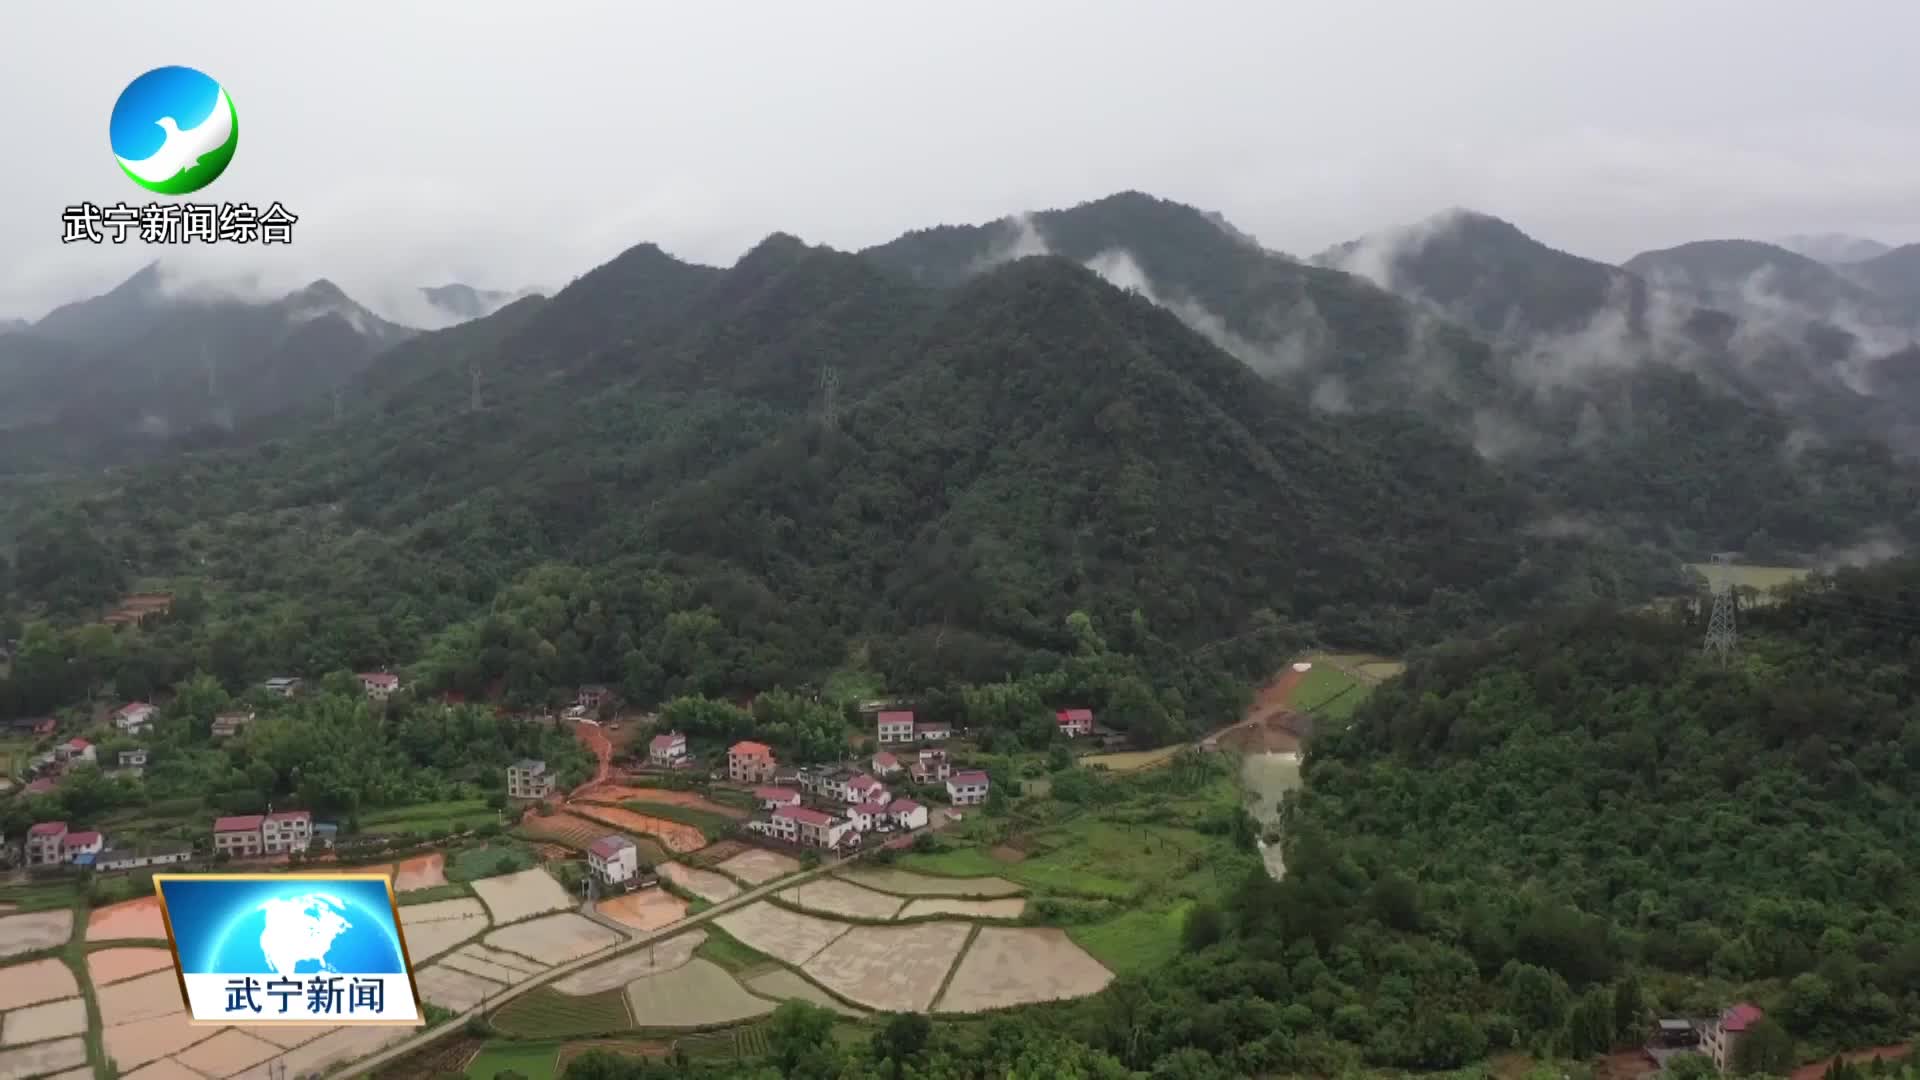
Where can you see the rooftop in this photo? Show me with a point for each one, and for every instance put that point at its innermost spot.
(527, 764)
(1075, 715)
(750, 749)
(671, 738)
(48, 828)
(82, 839)
(804, 815)
(902, 806)
(238, 823)
(1740, 1017)
(609, 846)
(775, 793)
(877, 806)
(897, 716)
(968, 776)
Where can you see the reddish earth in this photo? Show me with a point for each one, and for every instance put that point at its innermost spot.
(678, 838)
(720, 851)
(614, 793)
(1270, 726)
(595, 740)
(1819, 1068)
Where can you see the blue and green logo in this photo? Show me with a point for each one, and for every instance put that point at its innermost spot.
(174, 130)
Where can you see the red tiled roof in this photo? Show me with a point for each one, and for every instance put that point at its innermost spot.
(82, 839)
(238, 823)
(775, 793)
(379, 678)
(884, 758)
(661, 742)
(932, 725)
(609, 846)
(902, 806)
(132, 707)
(877, 806)
(897, 716)
(78, 743)
(48, 828)
(1740, 1017)
(1075, 715)
(750, 749)
(804, 815)
(862, 783)
(968, 776)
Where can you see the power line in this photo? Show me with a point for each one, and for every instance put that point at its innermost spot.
(1721, 639)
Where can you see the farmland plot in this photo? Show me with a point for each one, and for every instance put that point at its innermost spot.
(784, 935)
(831, 896)
(34, 931)
(155, 994)
(454, 989)
(1018, 966)
(621, 970)
(553, 939)
(695, 994)
(679, 838)
(782, 984)
(646, 909)
(139, 918)
(513, 897)
(136, 1043)
(48, 1020)
(908, 883)
(112, 965)
(1010, 908)
(890, 968)
(42, 1059)
(705, 884)
(757, 866)
(37, 981)
(227, 1053)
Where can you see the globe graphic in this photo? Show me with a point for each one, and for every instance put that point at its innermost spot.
(309, 927)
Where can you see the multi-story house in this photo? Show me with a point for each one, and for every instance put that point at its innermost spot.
(528, 778)
(908, 814)
(379, 685)
(750, 762)
(967, 787)
(862, 789)
(286, 831)
(613, 859)
(885, 764)
(895, 726)
(1074, 722)
(667, 749)
(46, 844)
(238, 835)
(134, 718)
(773, 798)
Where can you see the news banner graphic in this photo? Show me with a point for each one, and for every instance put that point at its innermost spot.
(178, 223)
(289, 949)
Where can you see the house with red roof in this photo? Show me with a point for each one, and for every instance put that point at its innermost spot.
(773, 798)
(968, 787)
(81, 846)
(750, 762)
(667, 749)
(615, 860)
(238, 835)
(1074, 722)
(46, 844)
(932, 730)
(894, 726)
(885, 764)
(864, 788)
(379, 685)
(285, 831)
(869, 815)
(931, 767)
(1721, 1038)
(76, 750)
(908, 814)
(811, 828)
(134, 717)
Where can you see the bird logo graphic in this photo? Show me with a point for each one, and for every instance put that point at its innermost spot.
(174, 130)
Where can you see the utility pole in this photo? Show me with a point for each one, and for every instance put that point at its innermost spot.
(829, 384)
(1721, 639)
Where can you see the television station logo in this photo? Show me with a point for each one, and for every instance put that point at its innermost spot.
(289, 949)
(174, 131)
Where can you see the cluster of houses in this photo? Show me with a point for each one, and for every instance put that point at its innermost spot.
(244, 836)
(52, 843)
(1717, 1037)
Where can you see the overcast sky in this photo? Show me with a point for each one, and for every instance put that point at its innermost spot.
(512, 144)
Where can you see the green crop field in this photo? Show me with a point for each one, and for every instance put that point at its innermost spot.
(546, 1013)
(1329, 691)
(1136, 942)
(712, 825)
(455, 814)
(487, 860)
(730, 952)
(535, 1061)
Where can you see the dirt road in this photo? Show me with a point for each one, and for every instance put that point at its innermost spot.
(595, 740)
(1270, 724)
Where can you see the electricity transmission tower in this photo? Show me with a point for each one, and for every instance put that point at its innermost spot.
(829, 383)
(1721, 640)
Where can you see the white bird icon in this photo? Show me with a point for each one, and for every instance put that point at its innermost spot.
(183, 149)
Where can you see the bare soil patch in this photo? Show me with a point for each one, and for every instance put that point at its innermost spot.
(428, 940)
(618, 793)
(513, 897)
(1018, 966)
(757, 866)
(227, 1053)
(621, 970)
(139, 918)
(784, 935)
(720, 851)
(705, 884)
(153, 1038)
(695, 994)
(679, 838)
(338, 1046)
(35, 931)
(505, 959)
(908, 883)
(113, 965)
(466, 907)
(832, 896)
(427, 871)
(451, 988)
(645, 909)
(39, 980)
(163, 1069)
(890, 968)
(155, 994)
(1011, 907)
(42, 1059)
(461, 960)
(784, 984)
(553, 939)
(47, 1020)
(286, 1037)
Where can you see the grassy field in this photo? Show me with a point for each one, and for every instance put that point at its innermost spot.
(41, 896)
(546, 1013)
(488, 860)
(535, 1061)
(713, 826)
(730, 952)
(1137, 942)
(1130, 760)
(452, 891)
(1329, 691)
(456, 815)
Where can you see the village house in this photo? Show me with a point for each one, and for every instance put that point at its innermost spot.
(811, 828)
(750, 762)
(528, 778)
(864, 788)
(773, 798)
(227, 725)
(46, 844)
(892, 727)
(613, 859)
(135, 859)
(284, 686)
(668, 749)
(908, 814)
(81, 847)
(1073, 722)
(76, 751)
(828, 782)
(868, 816)
(379, 685)
(1720, 1039)
(38, 727)
(932, 730)
(932, 767)
(285, 831)
(592, 697)
(238, 835)
(134, 718)
(885, 764)
(967, 787)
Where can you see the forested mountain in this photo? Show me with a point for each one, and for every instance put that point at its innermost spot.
(1750, 277)
(146, 364)
(1835, 248)
(1894, 275)
(460, 302)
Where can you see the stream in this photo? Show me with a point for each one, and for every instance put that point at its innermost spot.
(1265, 777)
